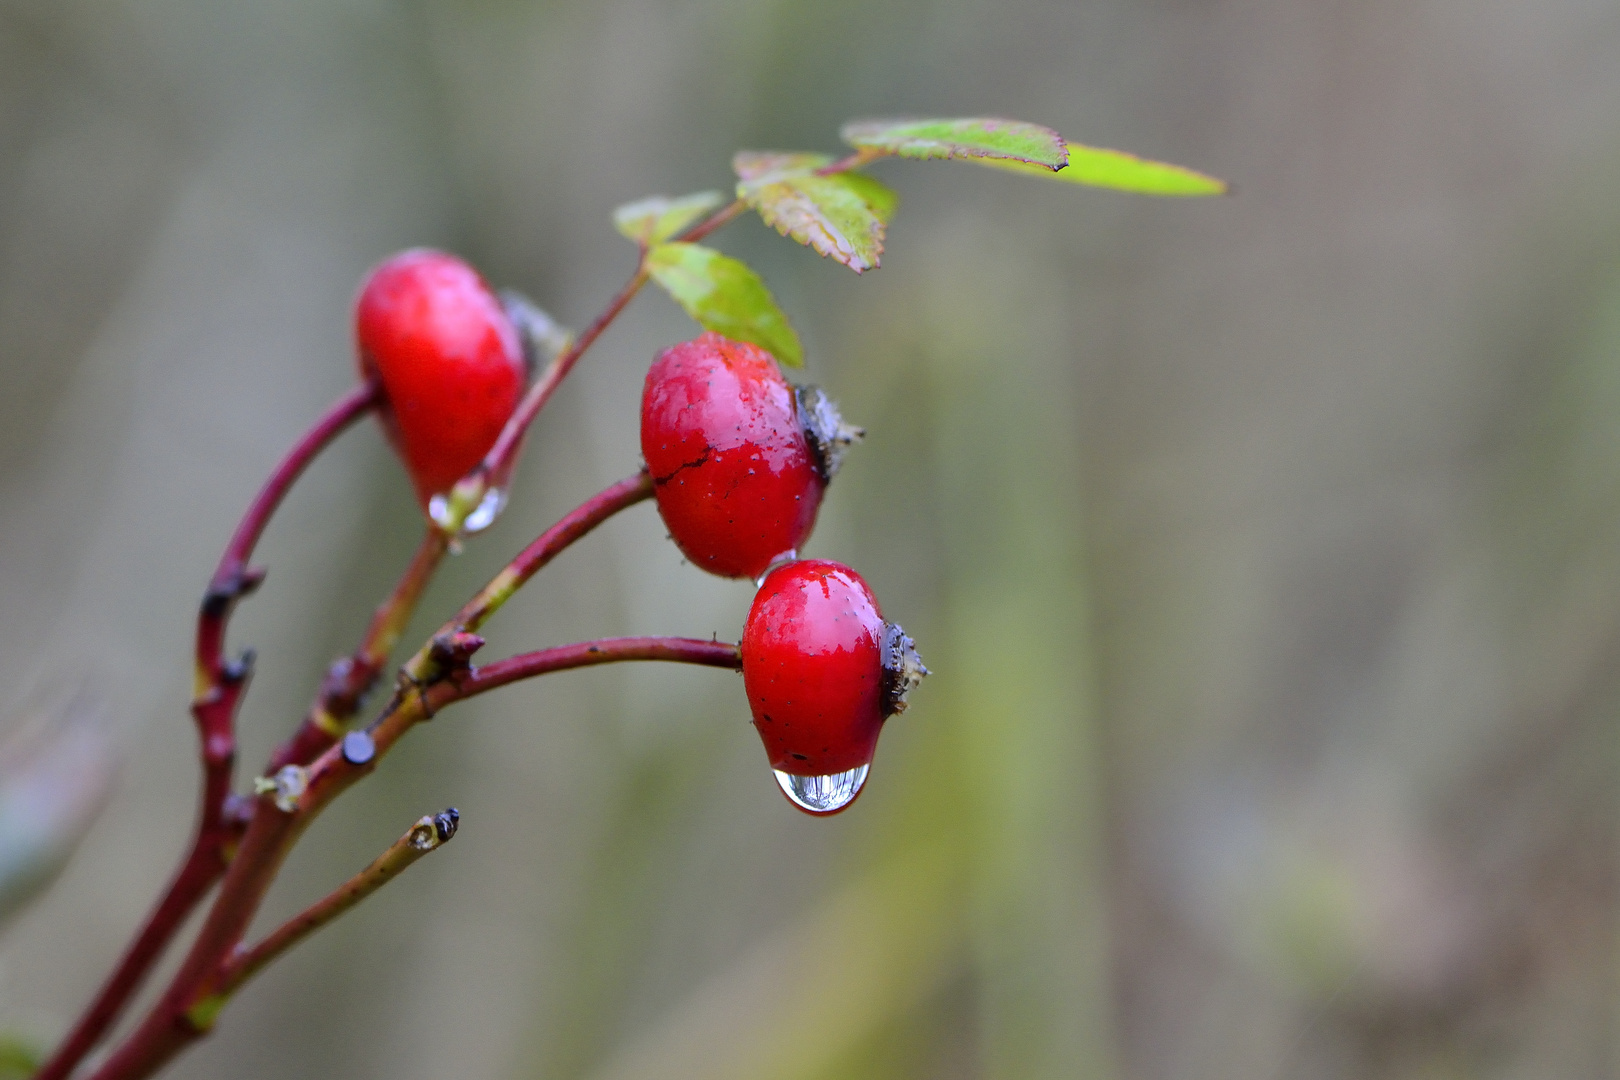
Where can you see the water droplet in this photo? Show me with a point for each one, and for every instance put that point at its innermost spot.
(287, 785)
(823, 794)
(358, 748)
(788, 556)
(488, 509)
(439, 510)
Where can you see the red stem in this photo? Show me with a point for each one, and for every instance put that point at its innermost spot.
(332, 774)
(233, 579)
(169, 1027)
(511, 437)
(350, 678)
(721, 654)
(721, 217)
(220, 685)
(547, 546)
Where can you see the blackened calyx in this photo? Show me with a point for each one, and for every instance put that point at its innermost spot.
(445, 824)
(825, 430)
(902, 668)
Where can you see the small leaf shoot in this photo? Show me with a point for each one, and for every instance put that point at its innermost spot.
(658, 218)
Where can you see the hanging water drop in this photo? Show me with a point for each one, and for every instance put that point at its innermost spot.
(788, 556)
(488, 509)
(823, 794)
(439, 510)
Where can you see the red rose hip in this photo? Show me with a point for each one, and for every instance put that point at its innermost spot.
(451, 366)
(739, 460)
(822, 671)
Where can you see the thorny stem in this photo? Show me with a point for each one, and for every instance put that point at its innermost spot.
(219, 688)
(332, 773)
(430, 833)
(506, 445)
(547, 546)
(269, 834)
(176, 1020)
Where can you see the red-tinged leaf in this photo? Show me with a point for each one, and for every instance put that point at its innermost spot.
(753, 164)
(972, 138)
(658, 218)
(841, 216)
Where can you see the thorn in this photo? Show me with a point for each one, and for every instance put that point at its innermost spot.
(240, 669)
(225, 591)
(237, 811)
(453, 650)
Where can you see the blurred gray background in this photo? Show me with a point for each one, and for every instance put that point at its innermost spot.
(1264, 548)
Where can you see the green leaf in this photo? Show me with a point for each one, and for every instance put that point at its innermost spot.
(653, 220)
(1095, 167)
(842, 216)
(978, 137)
(725, 296)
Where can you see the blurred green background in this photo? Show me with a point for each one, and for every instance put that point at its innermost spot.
(1264, 548)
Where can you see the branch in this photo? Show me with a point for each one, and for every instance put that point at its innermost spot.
(548, 545)
(720, 654)
(176, 1020)
(219, 688)
(220, 683)
(334, 771)
(428, 834)
(268, 836)
(351, 677)
(499, 459)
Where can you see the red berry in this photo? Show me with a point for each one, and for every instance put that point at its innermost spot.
(823, 671)
(739, 459)
(450, 362)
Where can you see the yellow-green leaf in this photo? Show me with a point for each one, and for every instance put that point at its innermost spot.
(653, 220)
(842, 216)
(726, 296)
(973, 137)
(1096, 167)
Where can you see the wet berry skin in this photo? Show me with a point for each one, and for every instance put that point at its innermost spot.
(812, 662)
(735, 476)
(450, 362)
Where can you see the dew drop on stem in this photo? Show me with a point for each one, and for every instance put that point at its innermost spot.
(488, 509)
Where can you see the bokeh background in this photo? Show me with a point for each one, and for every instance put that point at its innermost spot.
(1264, 548)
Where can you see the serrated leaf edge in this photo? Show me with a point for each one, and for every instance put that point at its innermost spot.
(926, 149)
(813, 234)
